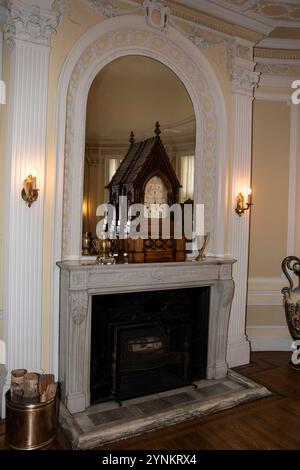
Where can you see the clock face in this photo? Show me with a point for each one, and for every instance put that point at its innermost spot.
(156, 194)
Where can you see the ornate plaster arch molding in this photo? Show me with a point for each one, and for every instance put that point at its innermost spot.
(129, 35)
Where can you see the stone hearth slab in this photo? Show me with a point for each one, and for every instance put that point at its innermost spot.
(107, 422)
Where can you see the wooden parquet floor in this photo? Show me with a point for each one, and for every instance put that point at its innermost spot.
(269, 423)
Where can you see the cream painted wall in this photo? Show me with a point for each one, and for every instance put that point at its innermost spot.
(270, 172)
(269, 221)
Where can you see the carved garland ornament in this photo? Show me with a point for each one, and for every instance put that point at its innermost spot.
(157, 44)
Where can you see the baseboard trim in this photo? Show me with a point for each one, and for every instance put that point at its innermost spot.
(238, 354)
(270, 343)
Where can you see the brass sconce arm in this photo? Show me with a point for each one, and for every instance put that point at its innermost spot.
(30, 192)
(241, 206)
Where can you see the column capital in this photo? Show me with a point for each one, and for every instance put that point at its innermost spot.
(244, 80)
(243, 77)
(29, 22)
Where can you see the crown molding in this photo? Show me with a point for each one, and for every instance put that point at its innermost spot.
(266, 54)
(226, 13)
(281, 97)
(277, 43)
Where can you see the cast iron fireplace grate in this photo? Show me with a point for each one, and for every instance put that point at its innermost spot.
(148, 342)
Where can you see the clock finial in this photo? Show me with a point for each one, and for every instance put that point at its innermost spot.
(157, 129)
(131, 139)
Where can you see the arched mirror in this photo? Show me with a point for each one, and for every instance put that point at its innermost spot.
(131, 94)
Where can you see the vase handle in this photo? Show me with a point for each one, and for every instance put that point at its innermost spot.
(289, 264)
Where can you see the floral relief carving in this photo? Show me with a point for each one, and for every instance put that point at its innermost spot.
(103, 7)
(156, 43)
(79, 306)
(243, 80)
(30, 23)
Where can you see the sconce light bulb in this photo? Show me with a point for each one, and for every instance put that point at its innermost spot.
(34, 173)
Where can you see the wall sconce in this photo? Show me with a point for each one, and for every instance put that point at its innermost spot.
(241, 206)
(30, 192)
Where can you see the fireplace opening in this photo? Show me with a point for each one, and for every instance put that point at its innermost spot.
(148, 342)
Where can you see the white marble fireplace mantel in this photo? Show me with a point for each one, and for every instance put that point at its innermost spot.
(81, 280)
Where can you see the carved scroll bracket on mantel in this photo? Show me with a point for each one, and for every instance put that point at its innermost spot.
(81, 280)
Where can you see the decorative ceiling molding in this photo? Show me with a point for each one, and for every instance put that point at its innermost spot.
(273, 13)
(102, 6)
(277, 73)
(259, 15)
(223, 9)
(285, 70)
(204, 42)
(262, 54)
(278, 43)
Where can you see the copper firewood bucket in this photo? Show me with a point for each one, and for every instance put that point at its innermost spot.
(31, 427)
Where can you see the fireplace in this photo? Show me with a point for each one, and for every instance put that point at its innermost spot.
(91, 330)
(148, 342)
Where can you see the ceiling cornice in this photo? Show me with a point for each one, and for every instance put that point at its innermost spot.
(261, 53)
(278, 43)
(263, 27)
(227, 27)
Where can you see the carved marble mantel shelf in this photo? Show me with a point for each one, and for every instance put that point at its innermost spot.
(80, 280)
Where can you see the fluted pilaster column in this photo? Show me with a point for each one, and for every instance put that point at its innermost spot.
(28, 32)
(244, 79)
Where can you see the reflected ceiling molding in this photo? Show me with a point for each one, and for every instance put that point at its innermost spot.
(185, 127)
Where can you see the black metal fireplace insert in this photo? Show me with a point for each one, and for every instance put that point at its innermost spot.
(148, 342)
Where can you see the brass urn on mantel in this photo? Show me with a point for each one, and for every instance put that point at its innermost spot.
(104, 247)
